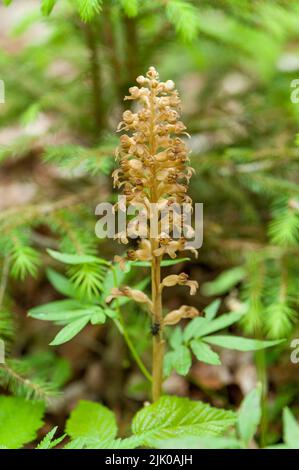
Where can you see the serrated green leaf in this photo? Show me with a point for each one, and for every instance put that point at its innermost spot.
(91, 420)
(211, 442)
(249, 415)
(290, 430)
(204, 353)
(174, 417)
(48, 442)
(20, 420)
(240, 344)
(117, 444)
(69, 331)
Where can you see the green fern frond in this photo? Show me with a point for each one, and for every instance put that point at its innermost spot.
(252, 293)
(88, 8)
(284, 228)
(280, 319)
(87, 279)
(15, 375)
(7, 326)
(81, 160)
(25, 261)
(73, 231)
(48, 441)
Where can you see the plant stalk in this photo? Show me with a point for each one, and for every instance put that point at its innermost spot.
(158, 342)
(123, 330)
(157, 316)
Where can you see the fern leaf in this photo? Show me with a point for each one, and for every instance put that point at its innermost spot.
(185, 18)
(88, 8)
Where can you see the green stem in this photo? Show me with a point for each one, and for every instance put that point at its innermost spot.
(262, 377)
(123, 330)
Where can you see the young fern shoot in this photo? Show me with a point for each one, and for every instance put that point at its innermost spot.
(154, 175)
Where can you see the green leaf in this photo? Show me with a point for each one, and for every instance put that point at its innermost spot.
(56, 311)
(211, 310)
(290, 430)
(88, 8)
(179, 360)
(174, 417)
(87, 280)
(48, 442)
(176, 338)
(91, 420)
(76, 259)
(69, 331)
(217, 442)
(129, 443)
(249, 415)
(200, 326)
(61, 283)
(130, 7)
(221, 322)
(204, 353)
(20, 420)
(240, 344)
(25, 261)
(185, 18)
(224, 282)
(194, 327)
(68, 316)
(98, 317)
(31, 114)
(114, 277)
(164, 263)
(7, 2)
(47, 6)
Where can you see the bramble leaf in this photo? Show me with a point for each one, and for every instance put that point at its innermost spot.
(20, 420)
(173, 417)
(91, 420)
